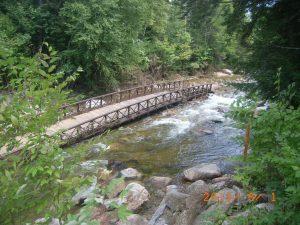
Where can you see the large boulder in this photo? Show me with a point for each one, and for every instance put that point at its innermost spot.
(197, 191)
(224, 199)
(176, 200)
(218, 186)
(199, 187)
(160, 182)
(196, 201)
(203, 171)
(241, 198)
(183, 218)
(134, 219)
(228, 179)
(136, 196)
(131, 173)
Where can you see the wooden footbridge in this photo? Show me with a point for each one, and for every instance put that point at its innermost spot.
(92, 116)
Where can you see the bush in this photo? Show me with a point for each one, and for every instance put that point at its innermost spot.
(33, 181)
(274, 162)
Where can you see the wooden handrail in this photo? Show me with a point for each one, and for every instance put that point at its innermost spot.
(118, 116)
(89, 104)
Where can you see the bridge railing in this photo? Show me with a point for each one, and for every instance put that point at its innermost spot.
(111, 119)
(116, 97)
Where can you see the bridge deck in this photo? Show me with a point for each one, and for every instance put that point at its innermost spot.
(85, 117)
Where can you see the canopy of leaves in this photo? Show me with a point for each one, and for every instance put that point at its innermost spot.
(270, 29)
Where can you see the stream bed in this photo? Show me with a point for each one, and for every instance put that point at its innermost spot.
(167, 142)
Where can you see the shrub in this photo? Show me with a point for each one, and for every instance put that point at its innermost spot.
(274, 162)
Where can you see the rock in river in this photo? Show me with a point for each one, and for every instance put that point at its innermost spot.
(131, 173)
(176, 200)
(136, 196)
(160, 182)
(203, 171)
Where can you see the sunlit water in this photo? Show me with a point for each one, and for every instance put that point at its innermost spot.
(177, 138)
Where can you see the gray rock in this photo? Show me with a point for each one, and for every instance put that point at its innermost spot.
(183, 218)
(160, 182)
(161, 221)
(196, 201)
(202, 171)
(85, 193)
(265, 206)
(225, 198)
(241, 197)
(134, 219)
(218, 186)
(171, 187)
(176, 200)
(229, 181)
(131, 173)
(97, 149)
(225, 178)
(158, 212)
(136, 196)
(197, 188)
(93, 165)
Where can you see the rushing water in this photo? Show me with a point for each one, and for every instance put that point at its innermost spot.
(179, 137)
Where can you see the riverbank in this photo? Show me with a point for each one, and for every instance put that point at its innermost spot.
(205, 195)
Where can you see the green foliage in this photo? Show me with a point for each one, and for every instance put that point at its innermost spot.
(169, 45)
(85, 214)
(273, 164)
(109, 39)
(270, 32)
(103, 37)
(206, 24)
(34, 179)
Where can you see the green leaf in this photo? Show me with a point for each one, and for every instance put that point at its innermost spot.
(21, 189)
(123, 213)
(44, 63)
(50, 70)
(8, 175)
(14, 120)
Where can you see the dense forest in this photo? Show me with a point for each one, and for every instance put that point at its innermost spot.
(52, 49)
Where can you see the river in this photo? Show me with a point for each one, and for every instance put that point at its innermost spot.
(171, 140)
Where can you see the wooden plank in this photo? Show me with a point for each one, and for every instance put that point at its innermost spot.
(85, 117)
